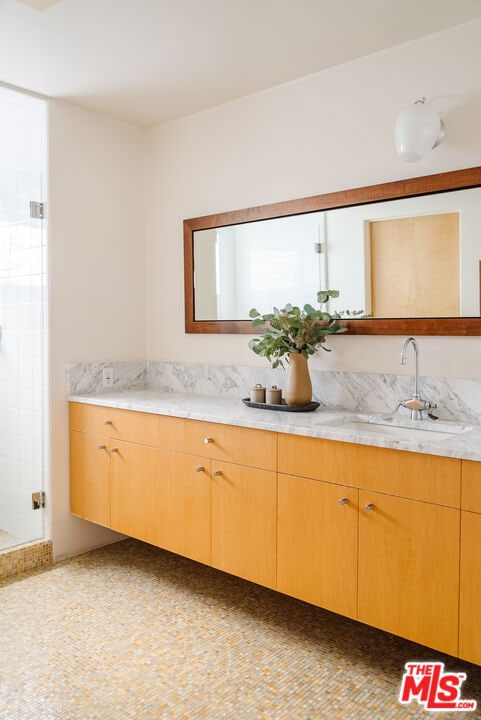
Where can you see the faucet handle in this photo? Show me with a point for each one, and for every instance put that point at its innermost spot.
(414, 403)
(417, 406)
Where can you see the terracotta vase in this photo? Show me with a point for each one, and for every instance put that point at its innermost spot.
(298, 384)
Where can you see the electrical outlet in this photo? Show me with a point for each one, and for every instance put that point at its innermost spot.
(107, 377)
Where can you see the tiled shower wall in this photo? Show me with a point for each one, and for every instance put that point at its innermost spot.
(23, 317)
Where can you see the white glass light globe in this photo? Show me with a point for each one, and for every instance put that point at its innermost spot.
(417, 130)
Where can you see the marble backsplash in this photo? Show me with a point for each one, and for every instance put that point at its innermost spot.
(86, 378)
(457, 399)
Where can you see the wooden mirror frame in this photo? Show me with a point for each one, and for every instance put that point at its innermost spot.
(426, 185)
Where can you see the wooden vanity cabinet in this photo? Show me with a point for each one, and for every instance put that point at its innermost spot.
(244, 497)
(388, 537)
(124, 479)
(404, 558)
(161, 497)
(470, 566)
(166, 481)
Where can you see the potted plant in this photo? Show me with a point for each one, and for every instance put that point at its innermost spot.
(296, 333)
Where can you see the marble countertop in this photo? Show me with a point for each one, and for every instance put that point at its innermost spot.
(444, 439)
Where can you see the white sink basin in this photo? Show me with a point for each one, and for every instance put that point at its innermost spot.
(400, 428)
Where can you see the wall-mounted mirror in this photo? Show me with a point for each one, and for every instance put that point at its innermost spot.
(406, 253)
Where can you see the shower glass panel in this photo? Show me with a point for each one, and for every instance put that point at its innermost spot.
(23, 319)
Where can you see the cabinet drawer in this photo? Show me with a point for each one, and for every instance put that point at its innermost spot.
(396, 472)
(471, 486)
(256, 448)
(92, 418)
(160, 431)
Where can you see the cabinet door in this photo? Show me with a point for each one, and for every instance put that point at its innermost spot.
(89, 477)
(470, 592)
(184, 505)
(134, 490)
(317, 543)
(244, 522)
(471, 486)
(409, 569)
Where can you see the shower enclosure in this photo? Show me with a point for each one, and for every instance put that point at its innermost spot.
(23, 319)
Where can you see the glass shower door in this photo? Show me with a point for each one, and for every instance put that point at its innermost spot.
(23, 319)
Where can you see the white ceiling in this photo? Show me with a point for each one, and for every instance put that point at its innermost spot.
(150, 61)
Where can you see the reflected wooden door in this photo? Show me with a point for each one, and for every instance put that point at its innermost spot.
(403, 282)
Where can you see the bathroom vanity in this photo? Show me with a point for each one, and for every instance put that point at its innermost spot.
(381, 530)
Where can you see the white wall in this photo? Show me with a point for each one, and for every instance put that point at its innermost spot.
(330, 131)
(96, 239)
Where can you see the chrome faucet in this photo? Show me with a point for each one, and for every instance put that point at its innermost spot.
(415, 404)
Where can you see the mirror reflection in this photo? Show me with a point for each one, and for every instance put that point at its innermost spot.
(411, 258)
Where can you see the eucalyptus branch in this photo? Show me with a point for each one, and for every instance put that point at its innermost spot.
(296, 330)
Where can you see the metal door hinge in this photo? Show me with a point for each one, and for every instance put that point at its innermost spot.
(39, 499)
(318, 248)
(37, 210)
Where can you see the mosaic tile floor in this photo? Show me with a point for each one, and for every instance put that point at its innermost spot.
(130, 632)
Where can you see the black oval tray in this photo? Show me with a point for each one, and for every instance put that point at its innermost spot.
(284, 407)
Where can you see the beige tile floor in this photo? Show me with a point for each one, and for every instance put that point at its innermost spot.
(133, 632)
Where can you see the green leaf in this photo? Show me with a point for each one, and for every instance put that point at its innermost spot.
(257, 322)
(253, 313)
